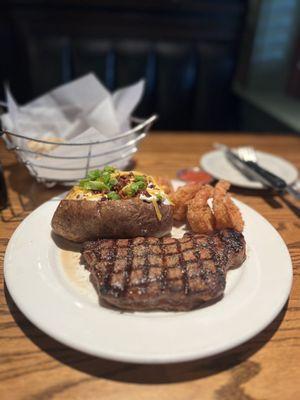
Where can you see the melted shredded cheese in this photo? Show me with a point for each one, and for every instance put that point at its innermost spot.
(157, 210)
(78, 193)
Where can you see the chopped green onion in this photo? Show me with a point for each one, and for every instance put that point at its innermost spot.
(112, 182)
(109, 169)
(95, 185)
(138, 178)
(105, 177)
(83, 181)
(159, 197)
(98, 173)
(133, 188)
(128, 190)
(113, 196)
(93, 175)
(140, 185)
(100, 179)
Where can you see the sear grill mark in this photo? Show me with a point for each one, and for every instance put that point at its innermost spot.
(183, 268)
(166, 273)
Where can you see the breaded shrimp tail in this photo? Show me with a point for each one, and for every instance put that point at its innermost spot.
(227, 214)
(181, 198)
(199, 214)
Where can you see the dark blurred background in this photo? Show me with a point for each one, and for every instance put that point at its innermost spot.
(208, 65)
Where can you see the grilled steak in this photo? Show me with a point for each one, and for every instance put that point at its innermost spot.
(166, 273)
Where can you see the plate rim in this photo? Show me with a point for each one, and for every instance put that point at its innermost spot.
(185, 356)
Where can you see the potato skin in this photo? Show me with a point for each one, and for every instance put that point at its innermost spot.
(82, 220)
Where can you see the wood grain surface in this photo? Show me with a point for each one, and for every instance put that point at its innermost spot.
(34, 366)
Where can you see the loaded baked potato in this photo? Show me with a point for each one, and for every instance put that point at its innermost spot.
(110, 203)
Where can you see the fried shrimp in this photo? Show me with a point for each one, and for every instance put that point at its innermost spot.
(199, 214)
(226, 213)
(181, 197)
(190, 202)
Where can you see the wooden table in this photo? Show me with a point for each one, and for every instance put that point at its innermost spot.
(34, 366)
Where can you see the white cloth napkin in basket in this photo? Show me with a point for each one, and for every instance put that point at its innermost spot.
(81, 111)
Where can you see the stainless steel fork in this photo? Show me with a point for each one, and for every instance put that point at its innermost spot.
(248, 155)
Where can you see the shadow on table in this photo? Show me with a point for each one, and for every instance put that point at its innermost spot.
(28, 194)
(270, 198)
(151, 374)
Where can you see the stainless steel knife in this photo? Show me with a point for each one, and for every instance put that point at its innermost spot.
(254, 171)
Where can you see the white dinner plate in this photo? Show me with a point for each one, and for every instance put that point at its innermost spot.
(217, 165)
(57, 296)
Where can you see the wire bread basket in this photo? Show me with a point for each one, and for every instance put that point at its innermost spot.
(51, 169)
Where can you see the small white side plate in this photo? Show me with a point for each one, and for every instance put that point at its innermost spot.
(216, 164)
(68, 309)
